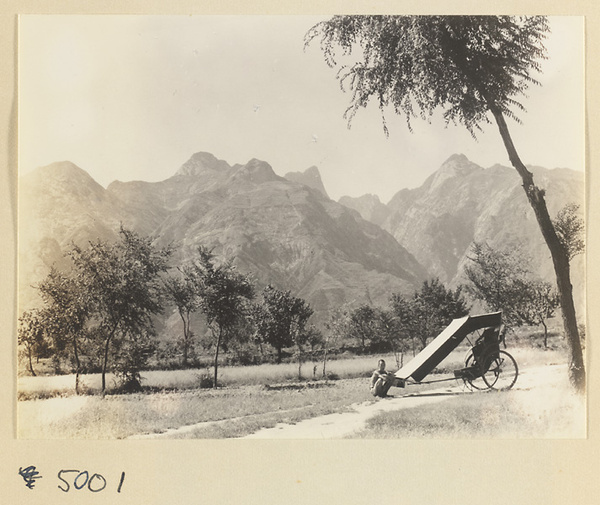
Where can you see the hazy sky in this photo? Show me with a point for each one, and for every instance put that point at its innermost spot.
(133, 97)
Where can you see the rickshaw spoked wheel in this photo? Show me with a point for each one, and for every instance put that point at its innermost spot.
(474, 382)
(500, 371)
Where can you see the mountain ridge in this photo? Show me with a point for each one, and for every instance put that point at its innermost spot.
(283, 232)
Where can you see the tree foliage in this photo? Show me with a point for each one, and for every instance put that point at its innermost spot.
(124, 291)
(281, 321)
(570, 229)
(65, 316)
(182, 291)
(363, 324)
(468, 67)
(417, 64)
(101, 309)
(497, 277)
(31, 336)
(504, 281)
(429, 310)
(222, 293)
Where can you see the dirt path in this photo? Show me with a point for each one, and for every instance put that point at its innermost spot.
(548, 382)
(537, 389)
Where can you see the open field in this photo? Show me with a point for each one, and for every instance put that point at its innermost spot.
(254, 398)
(63, 385)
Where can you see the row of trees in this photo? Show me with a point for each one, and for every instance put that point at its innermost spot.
(100, 314)
(407, 323)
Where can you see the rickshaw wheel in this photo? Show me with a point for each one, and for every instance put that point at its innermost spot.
(502, 372)
(474, 382)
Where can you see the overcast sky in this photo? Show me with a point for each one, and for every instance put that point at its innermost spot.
(133, 97)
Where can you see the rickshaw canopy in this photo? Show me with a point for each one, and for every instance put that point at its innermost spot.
(442, 345)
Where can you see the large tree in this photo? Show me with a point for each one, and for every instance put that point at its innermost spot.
(123, 291)
(65, 316)
(470, 67)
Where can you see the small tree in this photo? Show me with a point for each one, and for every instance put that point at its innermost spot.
(281, 321)
(404, 313)
(273, 318)
(434, 306)
(337, 328)
(504, 281)
(391, 332)
(182, 292)
(301, 313)
(31, 336)
(570, 229)
(222, 292)
(316, 341)
(363, 323)
(537, 303)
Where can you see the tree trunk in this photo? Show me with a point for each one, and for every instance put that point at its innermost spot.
(186, 337)
(77, 365)
(216, 363)
(30, 363)
(299, 363)
(558, 252)
(545, 335)
(105, 362)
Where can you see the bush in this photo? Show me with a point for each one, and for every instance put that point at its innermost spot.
(206, 382)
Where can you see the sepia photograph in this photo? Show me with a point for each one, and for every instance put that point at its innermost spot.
(301, 227)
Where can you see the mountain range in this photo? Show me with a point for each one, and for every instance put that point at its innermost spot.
(283, 231)
(286, 230)
(461, 203)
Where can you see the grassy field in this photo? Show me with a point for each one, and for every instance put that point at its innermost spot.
(64, 385)
(254, 397)
(246, 408)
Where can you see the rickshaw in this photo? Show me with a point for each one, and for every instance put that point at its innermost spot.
(486, 365)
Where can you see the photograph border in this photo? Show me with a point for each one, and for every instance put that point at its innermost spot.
(265, 472)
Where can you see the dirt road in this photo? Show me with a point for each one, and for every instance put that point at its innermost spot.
(548, 382)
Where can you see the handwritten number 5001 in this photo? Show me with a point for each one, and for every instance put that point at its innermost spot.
(95, 482)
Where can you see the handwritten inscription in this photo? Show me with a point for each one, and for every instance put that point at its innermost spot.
(76, 479)
(72, 480)
(29, 474)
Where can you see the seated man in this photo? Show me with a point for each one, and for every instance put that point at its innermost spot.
(381, 381)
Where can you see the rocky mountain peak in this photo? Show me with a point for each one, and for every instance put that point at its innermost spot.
(201, 162)
(368, 206)
(456, 166)
(256, 171)
(59, 176)
(311, 177)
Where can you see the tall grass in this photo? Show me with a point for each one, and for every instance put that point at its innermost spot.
(48, 386)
